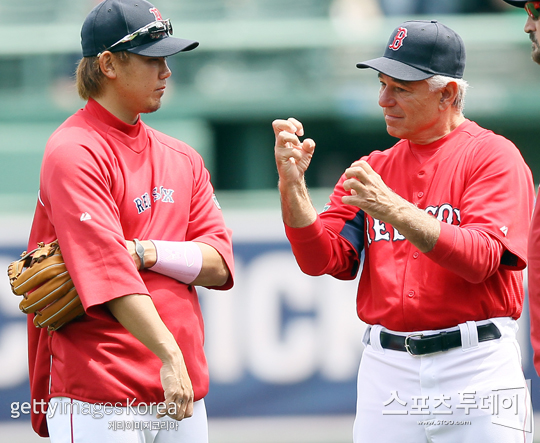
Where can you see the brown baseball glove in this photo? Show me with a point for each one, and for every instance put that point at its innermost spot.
(41, 277)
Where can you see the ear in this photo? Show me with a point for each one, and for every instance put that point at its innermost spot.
(448, 95)
(107, 64)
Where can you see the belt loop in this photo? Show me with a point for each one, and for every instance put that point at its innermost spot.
(469, 336)
(365, 338)
(473, 333)
(375, 338)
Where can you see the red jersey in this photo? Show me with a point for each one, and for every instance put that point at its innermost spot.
(104, 181)
(534, 285)
(480, 188)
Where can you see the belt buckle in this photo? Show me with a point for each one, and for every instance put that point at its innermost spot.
(407, 347)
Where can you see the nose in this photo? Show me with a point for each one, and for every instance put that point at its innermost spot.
(165, 72)
(529, 25)
(386, 98)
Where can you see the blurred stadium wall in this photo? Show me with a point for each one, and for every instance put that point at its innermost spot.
(283, 348)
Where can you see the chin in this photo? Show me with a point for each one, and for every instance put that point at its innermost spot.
(151, 109)
(394, 132)
(536, 55)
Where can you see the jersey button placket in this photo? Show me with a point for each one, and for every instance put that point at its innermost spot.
(420, 183)
(410, 294)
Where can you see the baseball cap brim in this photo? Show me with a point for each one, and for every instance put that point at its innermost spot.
(164, 47)
(395, 69)
(519, 4)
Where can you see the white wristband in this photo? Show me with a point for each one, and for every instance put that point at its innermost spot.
(179, 260)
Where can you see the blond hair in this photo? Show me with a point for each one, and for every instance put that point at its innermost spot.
(89, 78)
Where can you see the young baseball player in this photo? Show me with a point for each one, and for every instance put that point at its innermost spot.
(139, 227)
(532, 27)
(437, 227)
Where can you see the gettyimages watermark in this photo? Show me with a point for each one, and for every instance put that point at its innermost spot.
(509, 407)
(118, 411)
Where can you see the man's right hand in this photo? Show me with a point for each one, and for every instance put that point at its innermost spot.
(138, 314)
(177, 388)
(292, 156)
(292, 159)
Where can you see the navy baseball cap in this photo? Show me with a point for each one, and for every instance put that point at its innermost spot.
(420, 49)
(519, 4)
(113, 20)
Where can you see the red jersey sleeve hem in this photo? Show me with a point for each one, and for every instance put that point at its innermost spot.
(445, 243)
(311, 247)
(305, 234)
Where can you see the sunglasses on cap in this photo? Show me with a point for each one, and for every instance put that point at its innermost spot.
(157, 29)
(533, 9)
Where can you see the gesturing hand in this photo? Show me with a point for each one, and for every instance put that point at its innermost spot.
(292, 156)
(369, 192)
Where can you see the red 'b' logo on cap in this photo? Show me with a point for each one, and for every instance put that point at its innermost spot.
(398, 39)
(156, 13)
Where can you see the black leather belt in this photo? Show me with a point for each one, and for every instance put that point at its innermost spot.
(419, 344)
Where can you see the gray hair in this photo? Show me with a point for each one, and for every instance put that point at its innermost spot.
(440, 81)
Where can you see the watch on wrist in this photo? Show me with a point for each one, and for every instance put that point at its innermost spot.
(139, 249)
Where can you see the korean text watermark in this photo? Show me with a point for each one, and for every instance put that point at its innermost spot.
(117, 425)
(509, 407)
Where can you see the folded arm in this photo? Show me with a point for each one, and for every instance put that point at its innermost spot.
(139, 316)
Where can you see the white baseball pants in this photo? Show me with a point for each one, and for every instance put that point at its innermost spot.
(472, 394)
(74, 421)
